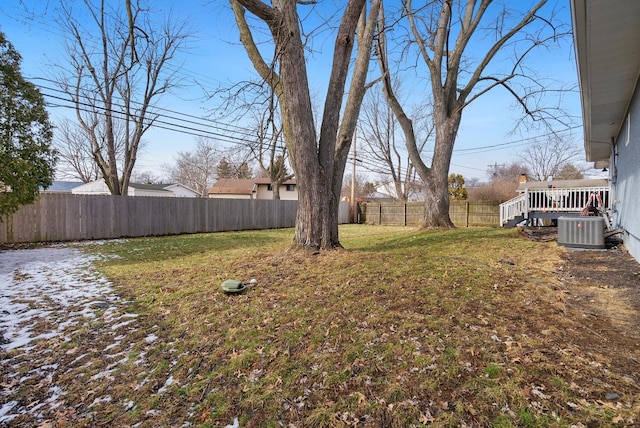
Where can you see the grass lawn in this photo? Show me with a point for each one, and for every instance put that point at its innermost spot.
(402, 328)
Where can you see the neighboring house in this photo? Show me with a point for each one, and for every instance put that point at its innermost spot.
(607, 43)
(254, 188)
(388, 190)
(99, 187)
(62, 186)
(180, 190)
(377, 197)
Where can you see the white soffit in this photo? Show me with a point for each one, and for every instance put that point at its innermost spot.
(607, 42)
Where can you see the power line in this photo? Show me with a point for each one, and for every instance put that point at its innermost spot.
(515, 143)
(203, 127)
(199, 121)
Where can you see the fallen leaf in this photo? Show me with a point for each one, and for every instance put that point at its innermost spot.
(361, 397)
(204, 416)
(606, 405)
(426, 418)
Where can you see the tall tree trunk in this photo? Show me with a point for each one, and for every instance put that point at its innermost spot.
(300, 134)
(436, 195)
(318, 163)
(275, 190)
(460, 72)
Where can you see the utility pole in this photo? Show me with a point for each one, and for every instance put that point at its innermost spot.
(353, 180)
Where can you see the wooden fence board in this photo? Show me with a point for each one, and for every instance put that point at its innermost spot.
(67, 217)
(462, 213)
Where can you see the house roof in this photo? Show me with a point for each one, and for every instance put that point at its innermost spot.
(63, 186)
(239, 186)
(562, 184)
(606, 34)
(155, 187)
(232, 186)
(162, 188)
(264, 180)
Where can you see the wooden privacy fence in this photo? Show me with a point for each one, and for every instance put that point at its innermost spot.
(462, 213)
(67, 217)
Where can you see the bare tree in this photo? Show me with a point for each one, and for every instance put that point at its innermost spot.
(460, 71)
(74, 146)
(546, 158)
(268, 148)
(570, 172)
(196, 169)
(146, 177)
(319, 161)
(385, 150)
(363, 188)
(116, 73)
(74, 153)
(503, 182)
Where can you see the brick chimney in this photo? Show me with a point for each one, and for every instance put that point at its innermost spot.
(523, 178)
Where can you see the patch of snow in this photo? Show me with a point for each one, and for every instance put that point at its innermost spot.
(167, 384)
(78, 358)
(100, 242)
(236, 424)
(104, 374)
(151, 338)
(113, 345)
(54, 287)
(140, 359)
(4, 412)
(120, 325)
(99, 400)
(43, 283)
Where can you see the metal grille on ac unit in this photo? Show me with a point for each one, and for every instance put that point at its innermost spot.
(581, 232)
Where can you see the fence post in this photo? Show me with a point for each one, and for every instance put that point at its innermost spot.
(405, 213)
(466, 216)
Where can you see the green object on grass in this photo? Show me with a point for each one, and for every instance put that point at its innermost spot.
(233, 286)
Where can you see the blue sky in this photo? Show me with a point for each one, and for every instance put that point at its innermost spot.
(215, 59)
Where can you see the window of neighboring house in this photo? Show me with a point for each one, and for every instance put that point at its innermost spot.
(269, 187)
(290, 187)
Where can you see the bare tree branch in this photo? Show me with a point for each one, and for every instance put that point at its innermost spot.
(118, 81)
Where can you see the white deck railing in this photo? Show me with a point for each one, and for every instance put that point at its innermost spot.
(556, 200)
(513, 208)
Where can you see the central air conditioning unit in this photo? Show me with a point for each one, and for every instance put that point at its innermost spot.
(581, 232)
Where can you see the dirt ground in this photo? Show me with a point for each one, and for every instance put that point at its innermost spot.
(605, 284)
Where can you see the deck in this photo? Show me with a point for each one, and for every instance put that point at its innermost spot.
(551, 203)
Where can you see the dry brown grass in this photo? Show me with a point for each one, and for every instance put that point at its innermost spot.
(466, 327)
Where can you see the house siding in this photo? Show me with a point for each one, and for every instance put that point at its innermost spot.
(98, 187)
(182, 191)
(625, 176)
(285, 195)
(228, 196)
